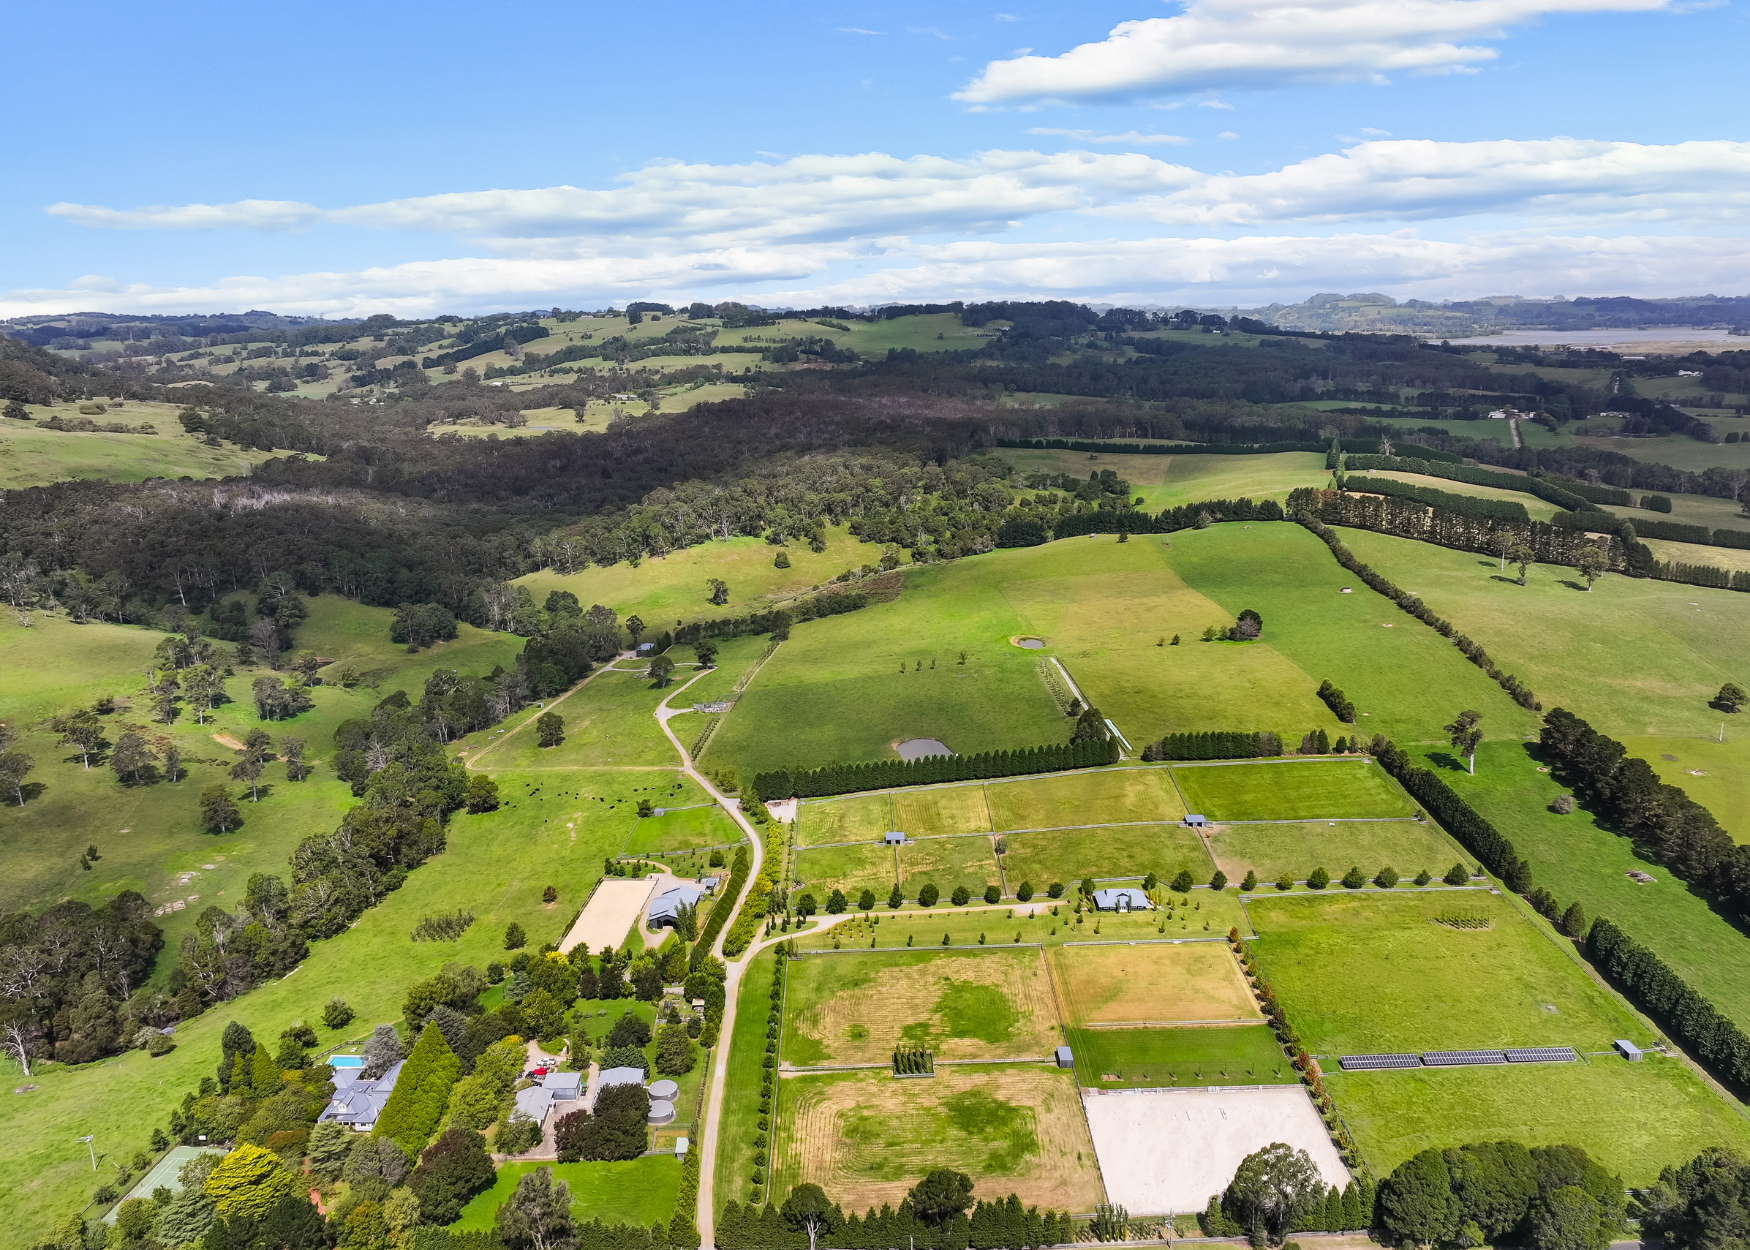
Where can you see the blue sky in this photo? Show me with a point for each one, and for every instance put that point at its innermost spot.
(348, 159)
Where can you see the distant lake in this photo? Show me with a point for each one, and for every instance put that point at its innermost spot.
(1607, 338)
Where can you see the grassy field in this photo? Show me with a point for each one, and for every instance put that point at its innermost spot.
(1406, 681)
(1292, 790)
(31, 455)
(1429, 986)
(992, 1003)
(638, 1191)
(1207, 915)
(1708, 510)
(496, 865)
(1122, 984)
(847, 868)
(1167, 481)
(854, 818)
(1635, 1118)
(1733, 558)
(705, 825)
(941, 812)
(1146, 1058)
(1576, 860)
(608, 720)
(740, 1143)
(1297, 849)
(1677, 450)
(947, 863)
(1569, 646)
(1069, 855)
(1538, 509)
(866, 1138)
(1710, 771)
(1120, 796)
(674, 587)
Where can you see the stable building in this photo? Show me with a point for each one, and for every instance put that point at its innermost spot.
(665, 908)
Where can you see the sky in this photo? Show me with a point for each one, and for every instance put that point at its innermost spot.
(417, 159)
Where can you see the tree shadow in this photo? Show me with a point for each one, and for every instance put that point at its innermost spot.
(1440, 759)
(33, 790)
(1502, 577)
(1571, 585)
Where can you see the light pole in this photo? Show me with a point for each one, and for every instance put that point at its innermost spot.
(88, 1139)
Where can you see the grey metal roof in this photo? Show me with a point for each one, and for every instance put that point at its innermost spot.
(1111, 900)
(535, 1102)
(667, 905)
(893, 836)
(565, 1086)
(620, 1076)
(361, 1102)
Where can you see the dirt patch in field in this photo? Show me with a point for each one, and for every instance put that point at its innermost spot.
(226, 740)
(1144, 984)
(867, 1139)
(1171, 1151)
(992, 1006)
(612, 910)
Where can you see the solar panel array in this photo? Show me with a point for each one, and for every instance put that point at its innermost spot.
(1375, 1063)
(1461, 1058)
(1543, 1054)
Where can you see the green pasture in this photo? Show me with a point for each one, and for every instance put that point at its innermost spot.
(1709, 770)
(1576, 860)
(1108, 796)
(495, 865)
(1166, 481)
(947, 863)
(1736, 559)
(1203, 914)
(347, 634)
(941, 811)
(1677, 450)
(1291, 790)
(834, 691)
(683, 829)
(853, 818)
(1708, 510)
(1635, 1118)
(669, 589)
(1428, 986)
(1635, 657)
(1071, 855)
(734, 657)
(31, 455)
(609, 719)
(738, 1128)
(638, 1191)
(1246, 1054)
(1297, 849)
(852, 869)
(1405, 680)
(1537, 509)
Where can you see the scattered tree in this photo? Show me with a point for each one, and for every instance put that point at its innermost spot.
(660, 668)
(705, 652)
(336, 1014)
(82, 731)
(940, 1196)
(1272, 1188)
(537, 1216)
(719, 591)
(1464, 734)
(14, 767)
(514, 937)
(1731, 698)
(1524, 557)
(218, 813)
(807, 1208)
(1591, 564)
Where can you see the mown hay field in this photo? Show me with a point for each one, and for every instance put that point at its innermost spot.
(1151, 984)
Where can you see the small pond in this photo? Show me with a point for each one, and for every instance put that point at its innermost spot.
(918, 748)
(1031, 644)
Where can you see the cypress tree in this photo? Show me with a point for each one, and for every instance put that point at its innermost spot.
(421, 1092)
(264, 1075)
(1352, 1220)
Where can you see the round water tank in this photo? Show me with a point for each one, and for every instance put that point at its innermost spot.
(665, 1090)
(661, 1111)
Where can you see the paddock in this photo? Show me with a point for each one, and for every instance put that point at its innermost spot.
(612, 910)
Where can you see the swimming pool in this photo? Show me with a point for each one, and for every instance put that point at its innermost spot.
(346, 1061)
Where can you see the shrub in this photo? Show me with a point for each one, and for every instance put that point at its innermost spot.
(1285, 882)
(961, 896)
(1025, 893)
(1054, 890)
(928, 895)
(1218, 882)
(1354, 879)
(1183, 882)
(1250, 883)
(1386, 878)
(1319, 879)
(1562, 805)
(1424, 877)
(992, 894)
(836, 903)
(514, 937)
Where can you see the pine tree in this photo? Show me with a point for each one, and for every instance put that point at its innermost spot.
(1352, 1209)
(264, 1075)
(421, 1092)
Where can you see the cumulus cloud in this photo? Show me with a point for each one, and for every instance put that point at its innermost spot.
(1134, 138)
(1272, 43)
(1701, 182)
(1208, 270)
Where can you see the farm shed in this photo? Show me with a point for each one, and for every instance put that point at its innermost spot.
(1121, 900)
(665, 908)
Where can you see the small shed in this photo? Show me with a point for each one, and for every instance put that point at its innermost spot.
(1121, 900)
(1064, 1058)
(1628, 1050)
(681, 1145)
(646, 649)
(1196, 820)
(535, 1102)
(893, 837)
(710, 884)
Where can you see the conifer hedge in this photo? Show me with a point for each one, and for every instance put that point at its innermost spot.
(1213, 745)
(727, 893)
(421, 1093)
(933, 769)
(1467, 505)
(1001, 1225)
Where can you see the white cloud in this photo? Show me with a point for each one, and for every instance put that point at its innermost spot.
(1251, 269)
(1227, 134)
(1375, 133)
(858, 30)
(1550, 180)
(1133, 137)
(1272, 43)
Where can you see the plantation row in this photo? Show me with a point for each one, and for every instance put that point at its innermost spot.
(1508, 510)
(934, 769)
(1223, 449)
(805, 1220)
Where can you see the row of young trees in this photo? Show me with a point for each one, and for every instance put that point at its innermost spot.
(939, 1213)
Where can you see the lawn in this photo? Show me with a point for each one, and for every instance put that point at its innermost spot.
(1635, 1118)
(1297, 849)
(31, 455)
(866, 1138)
(740, 1143)
(1406, 681)
(941, 812)
(683, 828)
(1576, 860)
(849, 868)
(1106, 797)
(1207, 916)
(948, 862)
(639, 1191)
(1195, 982)
(1070, 855)
(1428, 986)
(1146, 1058)
(496, 865)
(989, 1003)
(854, 818)
(609, 719)
(1168, 481)
(1570, 646)
(1292, 790)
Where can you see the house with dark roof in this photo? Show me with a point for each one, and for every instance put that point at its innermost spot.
(357, 1104)
(665, 908)
(1121, 900)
